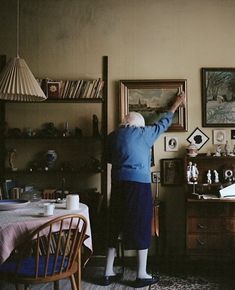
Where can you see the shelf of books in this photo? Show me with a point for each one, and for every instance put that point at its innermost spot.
(72, 89)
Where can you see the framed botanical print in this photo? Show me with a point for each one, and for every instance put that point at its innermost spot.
(153, 98)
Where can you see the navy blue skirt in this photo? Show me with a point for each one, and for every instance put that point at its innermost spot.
(130, 214)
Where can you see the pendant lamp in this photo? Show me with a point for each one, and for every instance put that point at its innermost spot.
(17, 82)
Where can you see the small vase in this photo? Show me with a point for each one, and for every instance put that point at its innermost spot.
(192, 150)
(51, 157)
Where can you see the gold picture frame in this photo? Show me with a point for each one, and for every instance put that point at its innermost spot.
(153, 98)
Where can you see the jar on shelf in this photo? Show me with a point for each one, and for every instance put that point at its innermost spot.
(192, 150)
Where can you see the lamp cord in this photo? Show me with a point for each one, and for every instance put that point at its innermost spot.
(17, 28)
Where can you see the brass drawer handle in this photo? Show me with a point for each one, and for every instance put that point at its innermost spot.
(201, 243)
(202, 227)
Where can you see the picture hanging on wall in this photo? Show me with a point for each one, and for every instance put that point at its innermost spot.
(218, 97)
(171, 143)
(171, 171)
(198, 138)
(219, 137)
(152, 99)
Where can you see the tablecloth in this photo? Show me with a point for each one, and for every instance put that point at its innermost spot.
(15, 225)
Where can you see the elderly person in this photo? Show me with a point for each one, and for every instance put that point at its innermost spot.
(130, 211)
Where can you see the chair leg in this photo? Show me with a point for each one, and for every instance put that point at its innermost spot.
(73, 282)
(56, 285)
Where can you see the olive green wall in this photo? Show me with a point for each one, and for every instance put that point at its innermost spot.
(158, 39)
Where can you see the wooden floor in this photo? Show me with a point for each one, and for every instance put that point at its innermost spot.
(173, 275)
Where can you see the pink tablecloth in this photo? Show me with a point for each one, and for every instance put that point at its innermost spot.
(16, 224)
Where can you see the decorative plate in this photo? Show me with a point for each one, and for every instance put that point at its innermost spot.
(11, 204)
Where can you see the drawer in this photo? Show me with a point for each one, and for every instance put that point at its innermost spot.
(203, 225)
(205, 242)
(203, 209)
(232, 210)
(229, 225)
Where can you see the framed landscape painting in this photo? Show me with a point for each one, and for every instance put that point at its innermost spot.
(218, 97)
(153, 98)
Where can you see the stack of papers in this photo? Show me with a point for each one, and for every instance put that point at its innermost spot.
(228, 192)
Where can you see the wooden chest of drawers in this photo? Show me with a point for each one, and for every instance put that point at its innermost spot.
(210, 228)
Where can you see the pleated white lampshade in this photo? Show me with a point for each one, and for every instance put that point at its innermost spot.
(17, 83)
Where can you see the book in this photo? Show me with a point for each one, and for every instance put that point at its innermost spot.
(99, 89)
(53, 90)
(90, 87)
(79, 88)
(84, 89)
(7, 186)
(95, 83)
(72, 89)
(65, 90)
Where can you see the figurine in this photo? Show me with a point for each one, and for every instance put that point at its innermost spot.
(209, 177)
(227, 149)
(12, 159)
(189, 171)
(95, 122)
(216, 176)
(218, 150)
(195, 172)
(66, 132)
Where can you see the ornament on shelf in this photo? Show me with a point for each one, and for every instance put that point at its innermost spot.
(12, 159)
(51, 157)
(208, 175)
(192, 150)
(227, 150)
(216, 174)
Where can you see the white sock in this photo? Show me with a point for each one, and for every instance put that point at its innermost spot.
(142, 264)
(111, 254)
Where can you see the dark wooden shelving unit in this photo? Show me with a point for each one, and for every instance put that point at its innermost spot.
(83, 172)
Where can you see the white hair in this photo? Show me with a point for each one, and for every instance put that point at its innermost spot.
(133, 119)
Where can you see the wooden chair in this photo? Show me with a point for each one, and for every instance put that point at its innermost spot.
(50, 253)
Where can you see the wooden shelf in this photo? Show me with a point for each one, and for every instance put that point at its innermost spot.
(87, 101)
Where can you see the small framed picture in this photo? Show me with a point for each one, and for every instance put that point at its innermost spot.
(171, 143)
(219, 137)
(171, 171)
(232, 134)
(198, 138)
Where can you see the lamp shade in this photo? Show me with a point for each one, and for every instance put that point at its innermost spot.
(17, 83)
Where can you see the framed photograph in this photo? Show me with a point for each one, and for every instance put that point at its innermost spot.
(171, 144)
(172, 171)
(219, 137)
(218, 96)
(232, 134)
(198, 138)
(153, 98)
